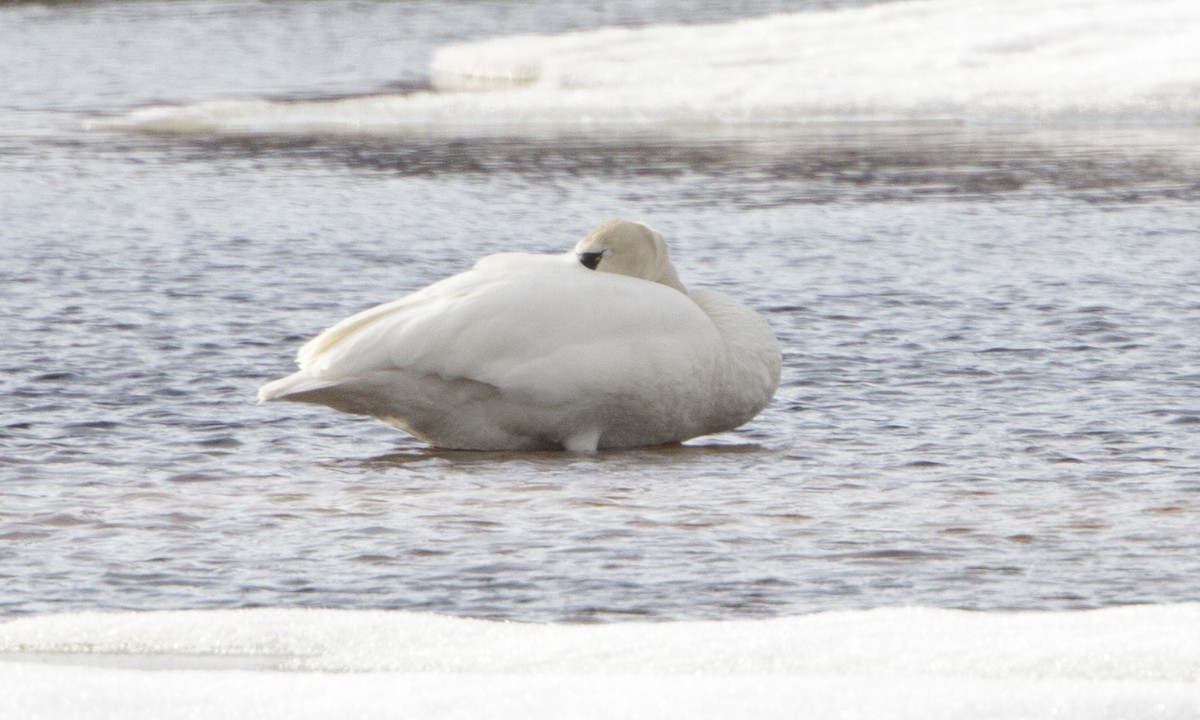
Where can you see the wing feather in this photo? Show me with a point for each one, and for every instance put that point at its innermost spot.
(542, 326)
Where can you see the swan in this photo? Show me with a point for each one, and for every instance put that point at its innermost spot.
(601, 347)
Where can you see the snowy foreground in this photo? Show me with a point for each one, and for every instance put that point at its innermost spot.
(1132, 662)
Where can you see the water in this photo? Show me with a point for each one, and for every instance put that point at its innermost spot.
(991, 394)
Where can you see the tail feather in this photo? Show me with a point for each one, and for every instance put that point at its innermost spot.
(294, 384)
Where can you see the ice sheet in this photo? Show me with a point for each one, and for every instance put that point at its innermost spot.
(1135, 662)
(986, 61)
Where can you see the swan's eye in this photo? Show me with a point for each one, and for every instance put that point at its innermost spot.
(591, 261)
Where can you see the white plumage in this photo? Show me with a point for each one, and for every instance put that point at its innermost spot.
(542, 351)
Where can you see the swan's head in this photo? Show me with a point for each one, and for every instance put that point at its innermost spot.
(628, 248)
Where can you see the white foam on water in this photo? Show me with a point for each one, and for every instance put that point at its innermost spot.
(1132, 662)
(1027, 61)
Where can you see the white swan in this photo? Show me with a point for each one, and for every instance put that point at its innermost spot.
(542, 351)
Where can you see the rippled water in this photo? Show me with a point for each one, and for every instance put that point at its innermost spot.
(991, 394)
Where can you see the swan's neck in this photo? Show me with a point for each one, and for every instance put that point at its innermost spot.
(670, 278)
(751, 360)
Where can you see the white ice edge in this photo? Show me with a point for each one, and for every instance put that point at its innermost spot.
(1151, 642)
